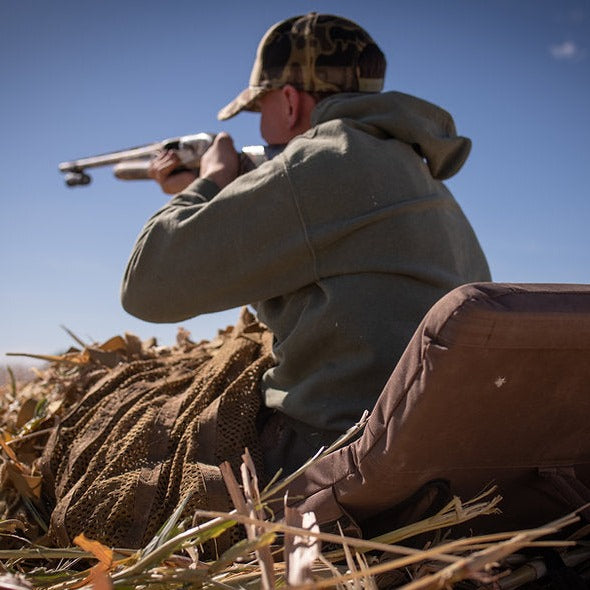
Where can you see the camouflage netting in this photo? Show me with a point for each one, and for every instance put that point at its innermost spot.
(150, 430)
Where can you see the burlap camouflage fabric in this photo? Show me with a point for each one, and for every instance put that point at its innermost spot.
(151, 432)
(317, 53)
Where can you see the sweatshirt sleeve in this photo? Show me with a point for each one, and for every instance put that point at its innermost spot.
(207, 250)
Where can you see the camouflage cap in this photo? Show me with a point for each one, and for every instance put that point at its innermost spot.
(315, 53)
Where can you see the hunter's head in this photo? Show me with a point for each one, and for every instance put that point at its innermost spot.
(301, 60)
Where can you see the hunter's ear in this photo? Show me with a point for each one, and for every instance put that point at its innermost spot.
(292, 101)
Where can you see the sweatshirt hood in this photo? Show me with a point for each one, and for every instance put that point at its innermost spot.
(427, 128)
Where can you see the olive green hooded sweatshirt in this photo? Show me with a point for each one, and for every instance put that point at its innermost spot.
(341, 243)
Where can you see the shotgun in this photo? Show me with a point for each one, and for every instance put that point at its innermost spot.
(133, 163)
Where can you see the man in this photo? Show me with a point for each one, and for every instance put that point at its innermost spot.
(341, 243)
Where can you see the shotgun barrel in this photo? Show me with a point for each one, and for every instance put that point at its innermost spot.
(133, 163)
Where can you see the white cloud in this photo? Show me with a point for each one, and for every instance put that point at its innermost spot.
(566, 50)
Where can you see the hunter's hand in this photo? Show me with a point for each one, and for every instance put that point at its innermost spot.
(220, 163)
(162, 170)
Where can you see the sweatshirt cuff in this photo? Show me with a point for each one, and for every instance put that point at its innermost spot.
(201, 188)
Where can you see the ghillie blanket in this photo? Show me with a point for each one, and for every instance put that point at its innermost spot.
(151, 432)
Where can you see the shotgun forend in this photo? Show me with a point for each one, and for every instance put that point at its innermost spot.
(133, 163)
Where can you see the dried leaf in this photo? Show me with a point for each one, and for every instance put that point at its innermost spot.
(103, 553)
(110, 358)
(133, 344)
(97, 575)
(26, 412)
(25, 484)
(6, 436)
(97, 578)
(11, 454)
(100, 579)
(116, 343)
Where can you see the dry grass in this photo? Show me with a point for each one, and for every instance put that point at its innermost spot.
(285, 553)
(273, 554)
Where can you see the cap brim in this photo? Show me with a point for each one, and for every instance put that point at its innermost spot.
(245, 101)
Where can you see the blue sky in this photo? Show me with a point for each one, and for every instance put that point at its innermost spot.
(82, 78)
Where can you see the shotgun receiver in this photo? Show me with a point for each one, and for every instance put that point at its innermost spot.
(133, 163)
